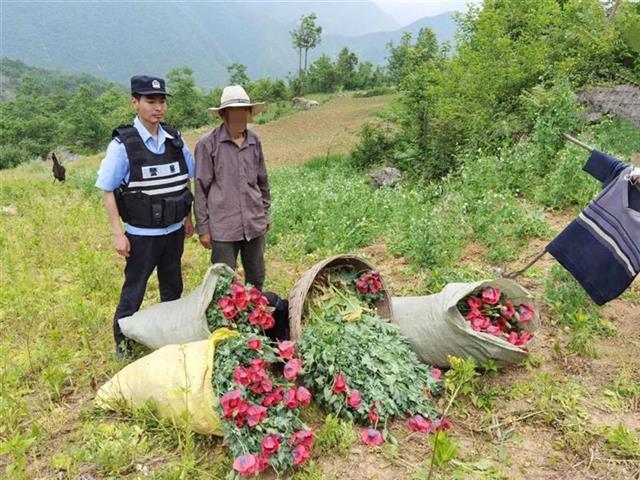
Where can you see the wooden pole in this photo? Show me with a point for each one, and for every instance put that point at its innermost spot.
(577, 142)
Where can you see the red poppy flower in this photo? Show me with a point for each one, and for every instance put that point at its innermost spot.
(228, 307)
(256, 298)
(491, 295)
(339, 384)
(257, 370)
(375, 282)
(240, 419)
(480, 323)
(362, 286)
(255, 414)
(503, 325)
(474, 302)
(371, 437)
(304, 437)
(230, 402)
(270, 444)
(441, 424)
(241, 376)
(262, 386)
(300, 454)
(255, 317)
(273, 398)
(355, 399)
(290, 399)
(286, 349)
(436, 373)
(268, 322)
(239, 294)
(291, 369)
(525, 313)
(418, 423)
(262, 463)
(303, 396)
(257, 364)
(245, 464)
(254, 344)
(507, 310)
(523, 339)
(494, 330)
(474, 314)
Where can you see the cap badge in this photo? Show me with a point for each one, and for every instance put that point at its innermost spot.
(155, 84)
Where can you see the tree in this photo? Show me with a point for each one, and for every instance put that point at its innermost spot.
(398, 57)
(305, 37)
(186, 105)
(346, 69)
(238, 74)
(322, 75)
(426, 47)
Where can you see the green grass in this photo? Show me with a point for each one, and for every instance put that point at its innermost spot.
(61, 281)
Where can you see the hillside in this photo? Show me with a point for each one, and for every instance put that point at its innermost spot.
(108, 40)
(11, 72)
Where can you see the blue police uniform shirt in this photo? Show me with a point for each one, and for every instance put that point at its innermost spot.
(114, 170)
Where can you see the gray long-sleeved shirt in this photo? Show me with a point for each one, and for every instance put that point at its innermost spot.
(231, 187)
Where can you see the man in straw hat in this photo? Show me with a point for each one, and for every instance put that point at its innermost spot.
(232, 189)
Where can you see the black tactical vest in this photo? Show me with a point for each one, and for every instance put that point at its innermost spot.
(157, 193)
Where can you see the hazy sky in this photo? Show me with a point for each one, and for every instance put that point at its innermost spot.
(407, 11)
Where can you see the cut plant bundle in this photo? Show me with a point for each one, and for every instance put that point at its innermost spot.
(488, 310)
(237, 307)
(359, 366)
(259, 406)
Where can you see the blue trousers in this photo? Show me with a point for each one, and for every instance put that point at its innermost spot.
(163, 253)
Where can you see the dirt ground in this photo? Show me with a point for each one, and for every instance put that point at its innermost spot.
(336, 124)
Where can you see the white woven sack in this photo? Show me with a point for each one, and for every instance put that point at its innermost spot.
(436, 329)
(179, 321)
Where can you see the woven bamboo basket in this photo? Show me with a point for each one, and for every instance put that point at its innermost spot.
(298, 295)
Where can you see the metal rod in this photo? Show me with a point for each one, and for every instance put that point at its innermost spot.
(577, 142)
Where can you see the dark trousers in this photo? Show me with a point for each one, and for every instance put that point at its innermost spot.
(251, 254)
(163, 252)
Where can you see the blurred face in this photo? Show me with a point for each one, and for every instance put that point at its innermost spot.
(236, 119)
(151, 109)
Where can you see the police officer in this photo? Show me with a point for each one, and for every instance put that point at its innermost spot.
(145, 182)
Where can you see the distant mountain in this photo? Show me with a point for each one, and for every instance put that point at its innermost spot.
(337, 18)
(372, 47)
(115, 40)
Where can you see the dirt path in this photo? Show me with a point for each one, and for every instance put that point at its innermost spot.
(331, 128)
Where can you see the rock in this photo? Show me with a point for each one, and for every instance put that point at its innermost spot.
(9, 210)
(86, 476)
(621, 100)
(386, 177)
(65, 155)
(312, 103)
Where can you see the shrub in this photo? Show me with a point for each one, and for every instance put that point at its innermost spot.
(375, 147)
(13, 155)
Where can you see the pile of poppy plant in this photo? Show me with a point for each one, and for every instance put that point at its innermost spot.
(488, 310)
(360, 367)
(255, 381)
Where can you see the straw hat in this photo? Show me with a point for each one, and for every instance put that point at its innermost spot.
(235, 96)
